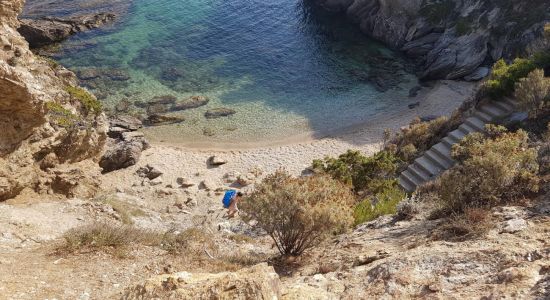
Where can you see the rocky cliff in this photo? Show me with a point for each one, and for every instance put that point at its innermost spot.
(450, 38)
(46, 123)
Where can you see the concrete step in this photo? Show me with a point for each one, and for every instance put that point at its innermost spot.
(456, 135)
(467, 129)
(483, 116)
(448, 142)
(476, 123)
(419, 173)
(503, 106)
(407, 185)
(512, 103)
(444, 151)
(438, 160)
(492, 111)
(428, 167)
(407, 176)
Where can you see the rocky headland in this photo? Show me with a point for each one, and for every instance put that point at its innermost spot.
(451, 39)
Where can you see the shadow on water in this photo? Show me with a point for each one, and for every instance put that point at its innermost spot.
(289, 55)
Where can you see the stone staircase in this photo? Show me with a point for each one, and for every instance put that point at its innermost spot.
(438, 158)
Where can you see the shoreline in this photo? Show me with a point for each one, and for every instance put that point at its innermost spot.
(441, 99)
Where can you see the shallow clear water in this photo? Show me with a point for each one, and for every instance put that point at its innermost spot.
(285, 67)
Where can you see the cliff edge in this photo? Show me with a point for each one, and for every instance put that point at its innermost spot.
(47, 123)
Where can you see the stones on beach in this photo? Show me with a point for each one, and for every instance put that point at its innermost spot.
(216, 161)
(184, 182)
(123, 123)
(149, 171)
(413, 92)
(215, 113)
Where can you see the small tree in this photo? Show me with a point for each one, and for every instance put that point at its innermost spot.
(533, 92)
(298, 213)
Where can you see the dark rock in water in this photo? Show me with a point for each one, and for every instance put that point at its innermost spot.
(162, 119)
(116, 74)
(87, 74)
(172, 74)
(46, 31)
(124, 152)
(191, 102)
(413, 92)
(414, 105)
(219, 112)
(157, 108)
(166, 99)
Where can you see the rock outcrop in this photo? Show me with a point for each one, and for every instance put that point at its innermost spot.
(42, 125)
(450, 38)
(257, 282)
(49, 30)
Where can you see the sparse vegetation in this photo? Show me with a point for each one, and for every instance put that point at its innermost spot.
(61, 116)
(298, 213)
(504, 76)
(383, 203)
(88, 101)
(108, 237)
(125, 211)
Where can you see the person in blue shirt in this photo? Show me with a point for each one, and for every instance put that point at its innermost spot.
(230, 201)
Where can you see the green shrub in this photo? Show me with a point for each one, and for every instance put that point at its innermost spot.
(60, 115)
(298, 213)
(361, 172)
(504, 76)
(492, 169)
(383, 203)
(88, 101)
(533, 93)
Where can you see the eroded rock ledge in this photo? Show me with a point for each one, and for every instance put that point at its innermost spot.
(49, 30)
(450, 38)
(46, 133)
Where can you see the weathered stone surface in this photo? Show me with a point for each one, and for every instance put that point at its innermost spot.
(149, 171)
(31, 97)
(219, 112)
(45, 31)
(257, 282)
(478, 74)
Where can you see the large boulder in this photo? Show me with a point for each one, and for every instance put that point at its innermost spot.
(124, 153)
(257, 282)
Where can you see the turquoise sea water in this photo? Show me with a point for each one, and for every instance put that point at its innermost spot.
(284, 66)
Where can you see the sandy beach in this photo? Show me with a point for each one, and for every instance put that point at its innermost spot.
(294, 154)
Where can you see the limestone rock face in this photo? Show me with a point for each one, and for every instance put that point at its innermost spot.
(257, 282)
(450, 38)
(39, 119)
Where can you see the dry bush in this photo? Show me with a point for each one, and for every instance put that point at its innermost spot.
(298, 213)
(533, 93)
(473, 222)
(492, 169)
(125, 210)
(190, 241)
(104, 236)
